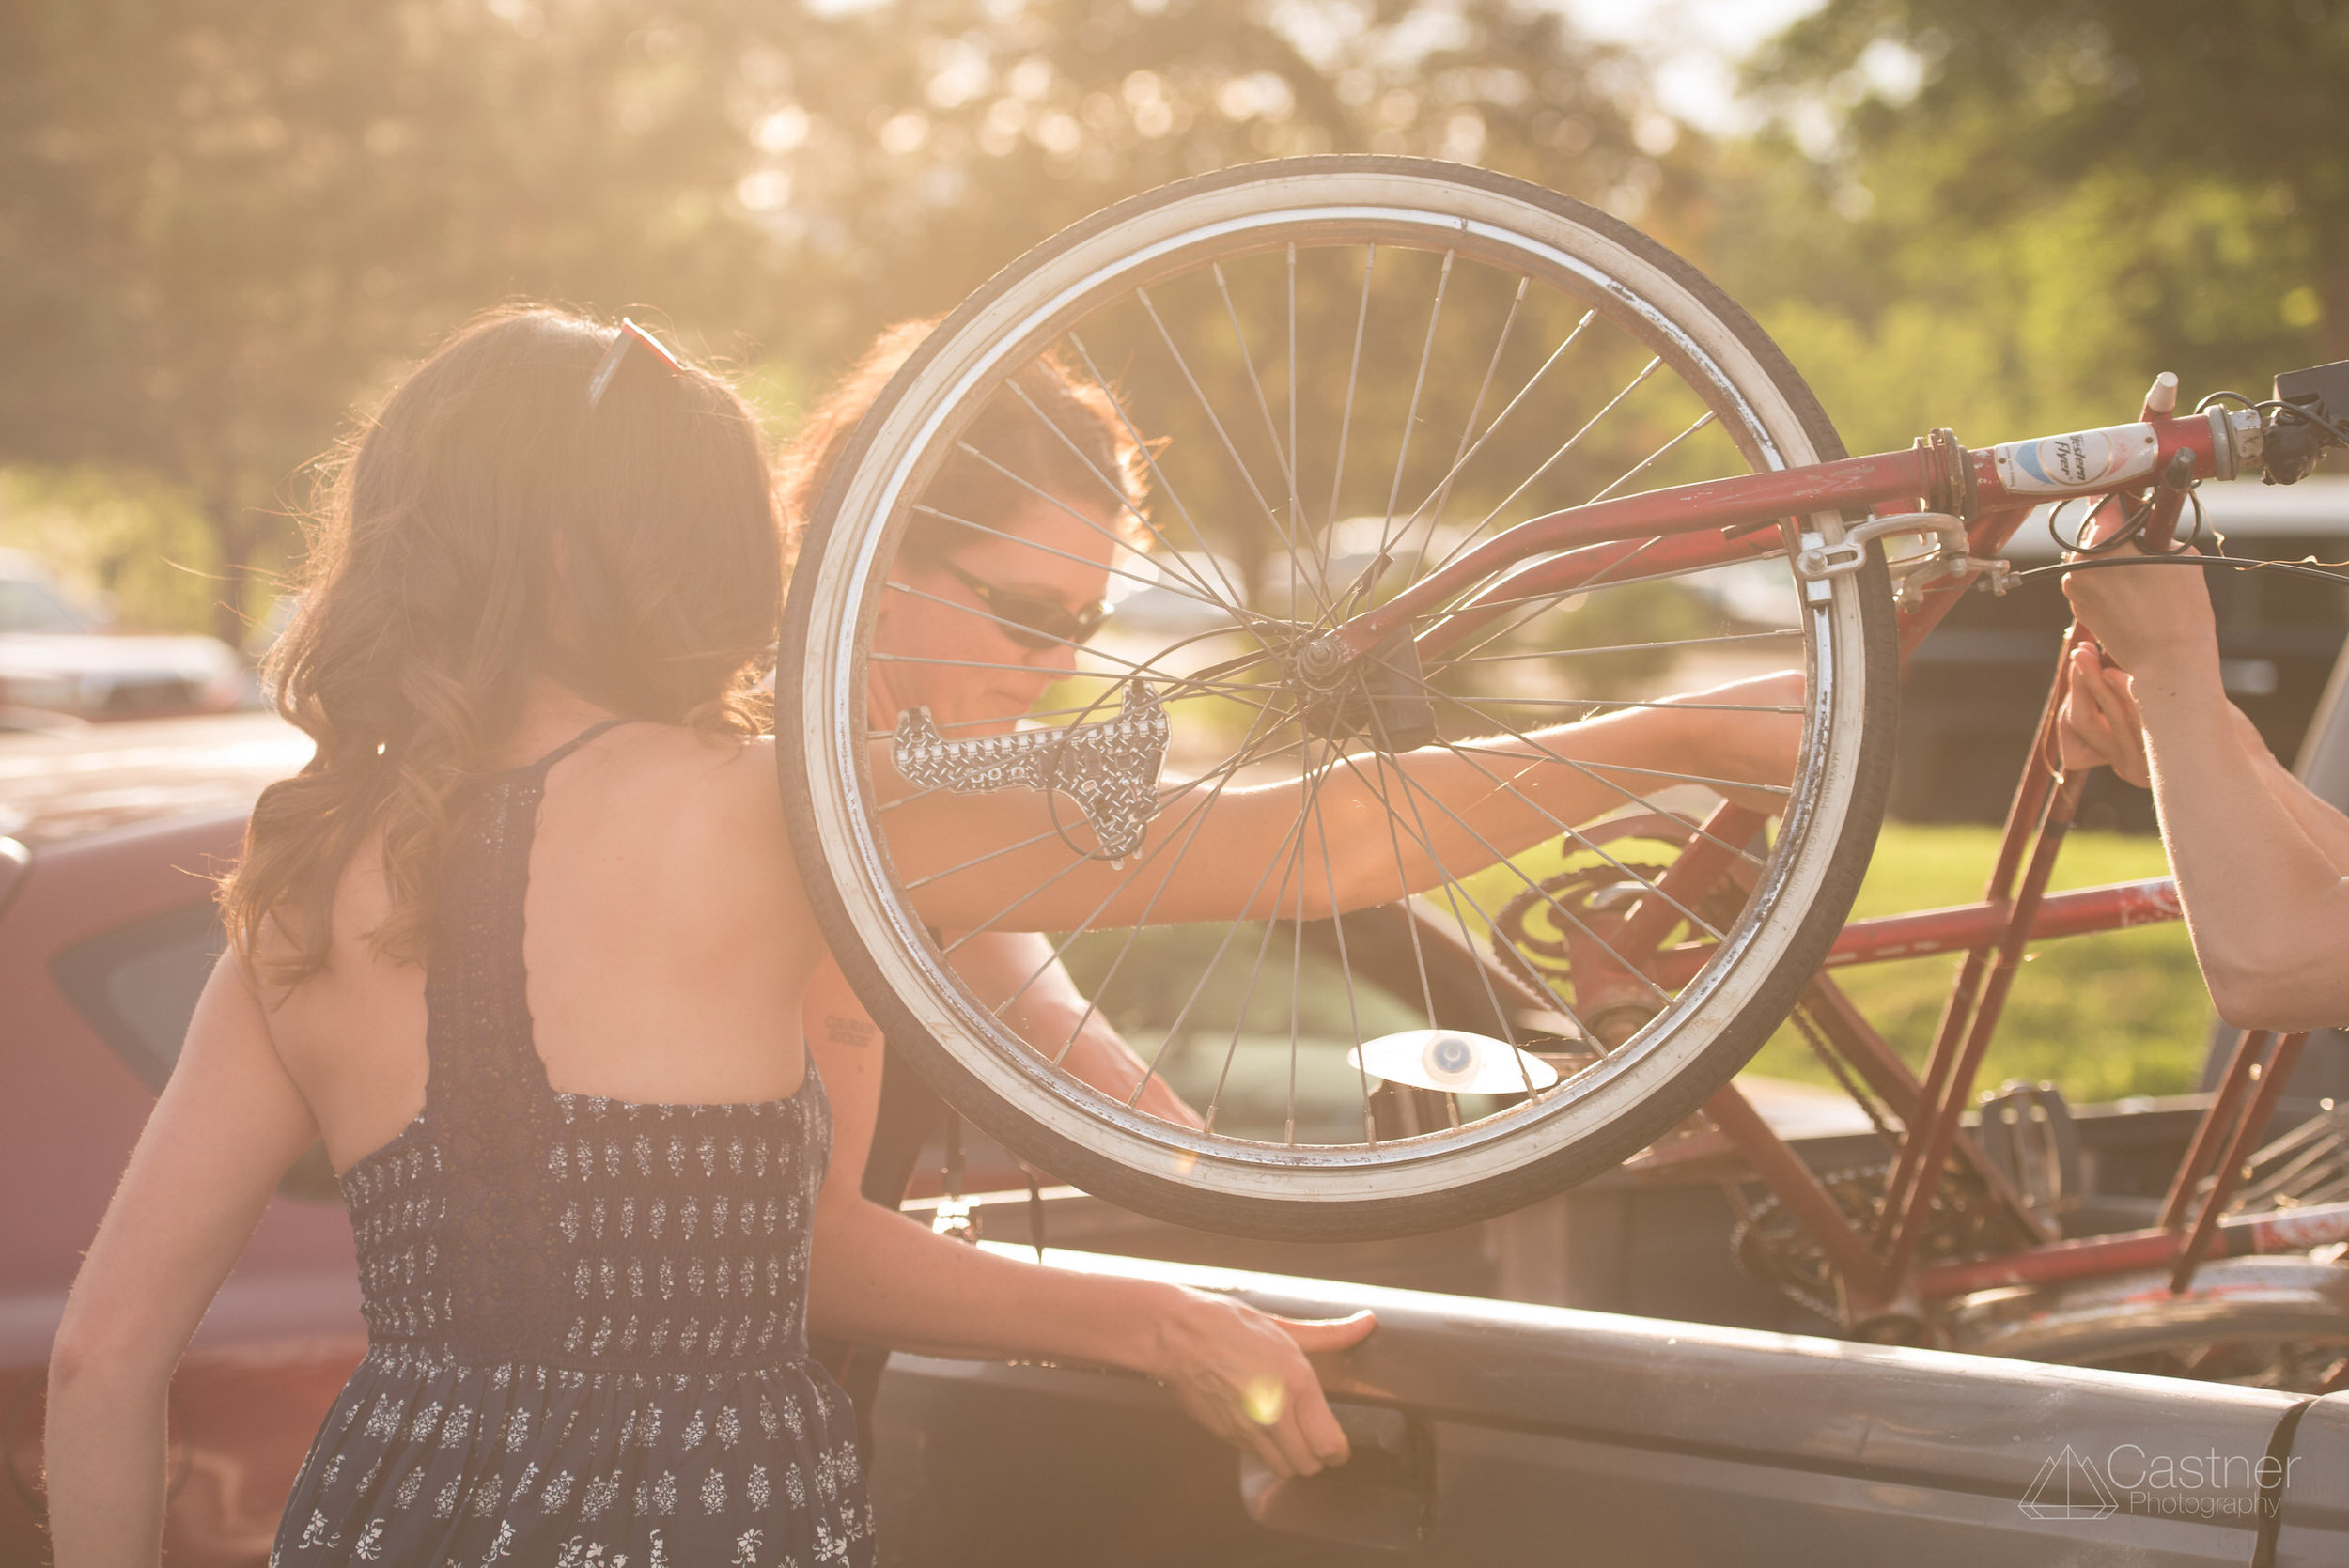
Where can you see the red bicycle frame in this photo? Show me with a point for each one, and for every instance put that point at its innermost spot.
(1933, 486)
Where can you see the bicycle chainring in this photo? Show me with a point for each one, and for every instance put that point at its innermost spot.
(1771, 1243)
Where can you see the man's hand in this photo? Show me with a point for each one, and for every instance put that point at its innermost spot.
(1243, 1375)
(2156, 623)
(2099, 724)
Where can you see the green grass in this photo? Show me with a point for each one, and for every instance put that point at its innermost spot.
(2102, 1017)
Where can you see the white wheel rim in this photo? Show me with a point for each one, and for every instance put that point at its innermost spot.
(1015, 325)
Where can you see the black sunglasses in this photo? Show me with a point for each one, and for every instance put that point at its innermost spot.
(610, 366)
(1032, 620)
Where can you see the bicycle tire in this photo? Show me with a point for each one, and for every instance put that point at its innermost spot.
(1258, 1184)
(2264, 1322)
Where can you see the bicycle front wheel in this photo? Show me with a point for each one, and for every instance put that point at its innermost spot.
(1327, 379)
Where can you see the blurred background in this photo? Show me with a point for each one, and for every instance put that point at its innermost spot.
(224, 226)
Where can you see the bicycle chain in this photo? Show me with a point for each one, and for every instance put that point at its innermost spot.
(1772, 1244)
(1512, 943)
(1800, 1019)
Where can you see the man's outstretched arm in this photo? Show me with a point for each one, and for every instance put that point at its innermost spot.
(2263, 865)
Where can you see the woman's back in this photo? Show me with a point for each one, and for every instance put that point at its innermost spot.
(584, 1270)
(667, 941)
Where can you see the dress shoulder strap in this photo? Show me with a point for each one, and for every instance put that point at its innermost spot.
(478, 1033)
(487, 1091)
(537, 770)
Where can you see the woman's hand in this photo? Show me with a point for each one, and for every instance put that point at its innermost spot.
(1243, 1375)
(2099, 723)
(1019, 974)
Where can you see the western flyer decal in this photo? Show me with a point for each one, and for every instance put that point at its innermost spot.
(2083, 461)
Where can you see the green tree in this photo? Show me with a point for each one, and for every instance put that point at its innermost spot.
(222, 222)
(2007, 214)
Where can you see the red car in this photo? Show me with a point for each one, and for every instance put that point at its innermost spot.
(107, 931)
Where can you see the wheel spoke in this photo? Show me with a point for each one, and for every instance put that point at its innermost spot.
(1208, 971)
(1448, 661)
(1353, 373)
(1158, 475)
(1377, 787)
(1345, 968)
(1294, 850)
(1117, 494)
(1630, 796)
(1410, 418)
(1701, 420)
(1468, 427)
(1226, 770)
(1549, 462)
(1175, 684)
(1413, 790)
(1454, 893)
(1202, 595)
(1463, 458)
(1281, 454)
(1207, 406)
(1190, 828)
(1077, 863)
(1644, 772)
(1534, 605)
(1591, 846)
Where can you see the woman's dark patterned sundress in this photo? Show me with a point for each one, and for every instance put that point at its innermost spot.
(587, 1319)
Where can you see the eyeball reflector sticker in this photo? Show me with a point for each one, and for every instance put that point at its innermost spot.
(1452, 1060)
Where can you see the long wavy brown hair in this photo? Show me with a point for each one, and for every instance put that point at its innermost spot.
(484, 527)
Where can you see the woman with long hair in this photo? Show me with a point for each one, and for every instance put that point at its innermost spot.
(523, 943)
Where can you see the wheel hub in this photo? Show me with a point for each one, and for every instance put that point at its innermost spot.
(1380, 696)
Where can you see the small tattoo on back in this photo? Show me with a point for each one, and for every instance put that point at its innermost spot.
(842, 1030)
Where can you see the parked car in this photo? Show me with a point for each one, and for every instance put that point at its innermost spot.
(106, 932)
(57, 657)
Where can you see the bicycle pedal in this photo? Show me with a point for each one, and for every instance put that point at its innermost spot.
(2027, 1135)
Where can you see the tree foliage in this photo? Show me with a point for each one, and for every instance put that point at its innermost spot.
(222, 221)
(2007, 214)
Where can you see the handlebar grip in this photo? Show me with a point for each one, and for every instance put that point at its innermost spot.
(2161, 400)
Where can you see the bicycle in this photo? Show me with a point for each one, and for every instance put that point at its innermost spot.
(1370, 548)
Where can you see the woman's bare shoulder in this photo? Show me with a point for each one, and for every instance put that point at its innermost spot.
(725, 791)
(742, 776)
(723, 772)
